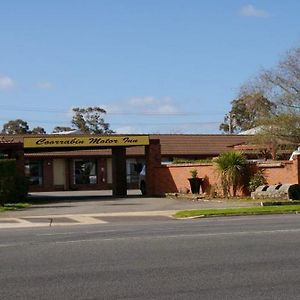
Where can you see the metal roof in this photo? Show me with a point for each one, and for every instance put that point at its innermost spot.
(171, 145)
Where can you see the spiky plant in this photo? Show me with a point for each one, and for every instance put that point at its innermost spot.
(231, 166)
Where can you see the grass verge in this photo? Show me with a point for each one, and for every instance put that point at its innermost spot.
(282, 209)
(13, 206)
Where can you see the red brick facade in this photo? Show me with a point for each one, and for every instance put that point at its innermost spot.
(160, 179)
(174, 178)
(48, 176)
(153, 163)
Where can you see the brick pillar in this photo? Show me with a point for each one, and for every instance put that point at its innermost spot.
(101, 172)
(68, 174)
(16, 152)
(20, 162)
(153, 160)
(119, 171)
(296, 161)
(48, 175)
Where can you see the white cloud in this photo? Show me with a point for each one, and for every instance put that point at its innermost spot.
(251, 11)
(166, 109)
(141, 101)
(146, 105)
(140, 115)
(6, 83)
(44, 85)
(126, 130)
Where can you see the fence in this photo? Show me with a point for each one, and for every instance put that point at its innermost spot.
(174, 178)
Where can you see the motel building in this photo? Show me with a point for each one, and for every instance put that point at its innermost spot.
(108, 162)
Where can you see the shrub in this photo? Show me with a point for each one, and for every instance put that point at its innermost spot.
(232, 167)
(13, 187)
(256, 180)
(194, 173)
(177, 160)
(21, 188)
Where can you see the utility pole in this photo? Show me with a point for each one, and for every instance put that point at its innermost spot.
(231, 120)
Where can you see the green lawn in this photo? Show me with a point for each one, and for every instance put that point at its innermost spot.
(13, 206)
(281, 209)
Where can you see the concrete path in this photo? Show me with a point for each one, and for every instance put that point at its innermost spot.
(83, 219)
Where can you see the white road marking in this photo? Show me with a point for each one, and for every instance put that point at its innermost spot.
(87, 220)
(171, 236)
(76, 232)
(8, 245)
(81, 218)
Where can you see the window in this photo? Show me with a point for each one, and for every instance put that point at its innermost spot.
(3, 155)
(133, 169)
(85, 172)
(34, 171)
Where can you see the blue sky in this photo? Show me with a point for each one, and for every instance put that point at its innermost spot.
(156, 66)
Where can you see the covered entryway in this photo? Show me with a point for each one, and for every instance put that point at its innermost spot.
(64, 174)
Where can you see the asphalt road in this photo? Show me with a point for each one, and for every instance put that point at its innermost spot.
(254, 257)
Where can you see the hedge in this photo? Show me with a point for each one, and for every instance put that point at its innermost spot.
(13, 187)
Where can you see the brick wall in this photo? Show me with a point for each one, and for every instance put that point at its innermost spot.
(153, 162)
(280, 172)
(174, 178)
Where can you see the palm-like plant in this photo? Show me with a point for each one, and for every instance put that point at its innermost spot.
(232, 167)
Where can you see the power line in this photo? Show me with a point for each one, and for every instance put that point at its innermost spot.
(145, 113)
(57, 123)
(31, 109)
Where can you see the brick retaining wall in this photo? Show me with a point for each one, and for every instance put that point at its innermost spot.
(174, 178)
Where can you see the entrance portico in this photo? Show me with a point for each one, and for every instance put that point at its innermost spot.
(62, 174)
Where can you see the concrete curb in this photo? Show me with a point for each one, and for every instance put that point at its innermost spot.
(189, 218)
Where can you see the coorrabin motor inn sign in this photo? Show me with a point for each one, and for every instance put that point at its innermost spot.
(86, 141)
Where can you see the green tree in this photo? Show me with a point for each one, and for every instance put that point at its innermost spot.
(17, 126)
(90, 120)
(232, 168)
(281, 85)
(61, 129)
(246, 112)
(38, 130)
